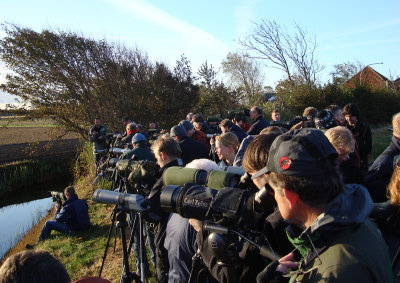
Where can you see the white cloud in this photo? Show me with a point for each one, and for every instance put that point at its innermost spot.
(186, 36)
(244, 15)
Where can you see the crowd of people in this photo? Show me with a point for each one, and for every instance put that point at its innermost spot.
(327, 214)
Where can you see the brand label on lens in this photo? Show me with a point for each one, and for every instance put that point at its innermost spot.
(285, 162)
(195, 202)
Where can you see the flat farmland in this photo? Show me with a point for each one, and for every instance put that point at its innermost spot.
(33, 140)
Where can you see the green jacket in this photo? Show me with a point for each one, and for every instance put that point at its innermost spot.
(350, 246)
(98, 144)
(141, 152)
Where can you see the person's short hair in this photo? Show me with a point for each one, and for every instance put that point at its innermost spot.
(131, 126)
(178, 131)
(334, 108)
(33, 266)
(198, 118)
(341, 137)
(393, 189)
(272, 129)
(396, 125)
(204, 164)
(189, 116)
(70, 191)
(229, 139)
(258, 110)
(352, 110)
(139, 127)
(310, 111)
(186, 124)
(325, 120)
(256, 154)
(304, 161)
(168, 145)
(275, 111)
(226, 123)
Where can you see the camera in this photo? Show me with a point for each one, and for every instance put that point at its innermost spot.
(212, 136)
(127, 202)
(238, 115)
(199, 202)
(58, 197)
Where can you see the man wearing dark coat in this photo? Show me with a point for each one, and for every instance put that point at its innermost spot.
(259, 122)
(380, 172)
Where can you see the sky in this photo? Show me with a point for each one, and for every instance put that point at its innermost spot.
(354, 31)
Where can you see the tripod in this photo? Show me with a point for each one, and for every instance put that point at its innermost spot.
(121, 224)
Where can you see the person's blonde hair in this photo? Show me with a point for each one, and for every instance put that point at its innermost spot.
(341, 137)
(393, 189)
(396, 125)
(229, 139)
(168, 145)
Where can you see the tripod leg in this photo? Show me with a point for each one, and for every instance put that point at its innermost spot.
(108, 241)
(127, 276)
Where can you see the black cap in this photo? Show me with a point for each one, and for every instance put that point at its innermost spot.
(178, 131)
(298, 153)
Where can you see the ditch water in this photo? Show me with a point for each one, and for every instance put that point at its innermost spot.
(21, 211)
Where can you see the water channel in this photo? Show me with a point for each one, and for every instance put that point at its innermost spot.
(19, 212)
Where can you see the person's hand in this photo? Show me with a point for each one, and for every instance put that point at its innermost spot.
(286, 263)
(119, 136)
(57, 206)
(195, 223)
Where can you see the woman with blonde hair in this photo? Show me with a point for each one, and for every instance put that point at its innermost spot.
(226, 147)
(387, 217)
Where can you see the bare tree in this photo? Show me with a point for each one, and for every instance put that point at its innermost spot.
(245, 77)
(292, 53)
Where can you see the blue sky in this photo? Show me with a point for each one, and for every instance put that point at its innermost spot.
(366, 31)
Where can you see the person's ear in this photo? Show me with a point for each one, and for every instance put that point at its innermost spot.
(163, 155)
(292, 197)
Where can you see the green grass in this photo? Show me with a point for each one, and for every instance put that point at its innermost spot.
(19, 122)
(381, 138)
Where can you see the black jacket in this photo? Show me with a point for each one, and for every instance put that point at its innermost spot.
(238, 132)
(259, 124)
(161, 219)
(380, 172)
(192, 149)
(363, 136)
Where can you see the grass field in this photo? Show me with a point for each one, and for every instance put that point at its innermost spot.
(16, 122)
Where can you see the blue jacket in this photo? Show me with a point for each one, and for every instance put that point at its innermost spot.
(74, 213)
(380, 172)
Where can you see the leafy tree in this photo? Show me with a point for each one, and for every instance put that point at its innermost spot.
(214, 96)
(76, 79)
(343, 72)
(245, 77)
(292, 53)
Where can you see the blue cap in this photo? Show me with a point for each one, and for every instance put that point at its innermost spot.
(138, 137)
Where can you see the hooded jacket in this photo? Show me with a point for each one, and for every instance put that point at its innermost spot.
(345, 245)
